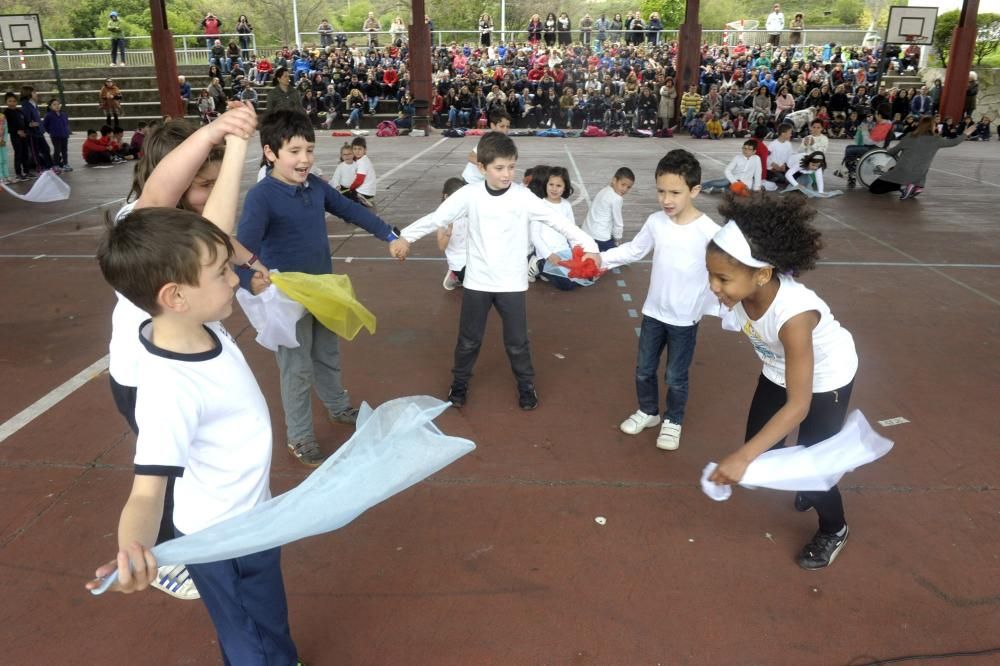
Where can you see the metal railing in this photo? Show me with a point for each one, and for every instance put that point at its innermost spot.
(77, 53)
(192, 50)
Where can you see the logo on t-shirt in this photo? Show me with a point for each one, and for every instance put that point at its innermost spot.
(758, 342)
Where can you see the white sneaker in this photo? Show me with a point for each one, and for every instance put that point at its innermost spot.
(669, 438)
(176, 581)
(638, 422)
(532, 267)
(450, 281)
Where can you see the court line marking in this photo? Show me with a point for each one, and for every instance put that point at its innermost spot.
(57, 394)
(975, 180)
(52, 398)
(579, 177)
(64, 217)
(909, 256)
(855, 264)
(403, 164)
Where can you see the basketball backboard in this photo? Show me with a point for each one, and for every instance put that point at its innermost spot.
(911, 25)
(21, 31)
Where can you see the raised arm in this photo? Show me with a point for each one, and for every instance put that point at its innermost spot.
(173, 175)
(540, 212)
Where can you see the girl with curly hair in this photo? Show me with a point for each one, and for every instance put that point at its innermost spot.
(809, 358)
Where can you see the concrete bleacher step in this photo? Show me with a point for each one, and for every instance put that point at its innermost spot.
(140, 96)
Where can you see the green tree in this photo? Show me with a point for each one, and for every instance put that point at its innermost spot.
(671, 11)
(987, 37)
(848, 12)
(943, 30)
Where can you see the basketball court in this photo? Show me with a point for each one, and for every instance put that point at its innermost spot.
(498, 559)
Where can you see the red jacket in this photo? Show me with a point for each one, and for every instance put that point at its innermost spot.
(390, 77)
(91, 146)
(264, 65)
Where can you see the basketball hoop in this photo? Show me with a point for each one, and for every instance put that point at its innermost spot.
(909, 39)
(738, 27)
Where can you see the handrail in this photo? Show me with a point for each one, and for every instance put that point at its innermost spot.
(196, 53)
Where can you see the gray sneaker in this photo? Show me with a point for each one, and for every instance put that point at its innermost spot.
(348, 416)
(307, 452)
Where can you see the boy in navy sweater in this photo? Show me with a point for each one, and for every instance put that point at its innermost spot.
(284, 221)
(56, 123)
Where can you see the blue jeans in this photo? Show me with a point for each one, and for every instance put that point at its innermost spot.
(679, 342)
(717, 182)
(355, 117)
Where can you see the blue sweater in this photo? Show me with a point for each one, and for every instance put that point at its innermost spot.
(285, 225)
(56, 124)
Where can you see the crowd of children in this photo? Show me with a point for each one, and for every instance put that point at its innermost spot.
(203, 448)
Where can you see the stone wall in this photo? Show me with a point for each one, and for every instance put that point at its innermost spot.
(988, 100)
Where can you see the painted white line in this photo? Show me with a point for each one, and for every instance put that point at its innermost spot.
(910, 257)
(52, 398)
(975, 180)
(633, 314)
(627, 298)
(854, 264)
(403, 164)
(64, 217)
(621, 283)
(638, 332)
(579, 177)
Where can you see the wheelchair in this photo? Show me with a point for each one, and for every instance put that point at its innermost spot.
(873, 165)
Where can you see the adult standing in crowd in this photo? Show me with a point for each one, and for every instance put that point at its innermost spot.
(615, 32)
(283, 95)
(117, 40)
(601, 28)
(586, 27)
(110, 100)
(564, 29)
(212, 26)
(668, 104)
(244, 29)
(534, 29)
(325, 31)
(372, 27)
(653, 28)
(971, 93)
(774, 25)
(549, 30)
(397, 32)
(637, 29)
(797, 26)
(485, 30)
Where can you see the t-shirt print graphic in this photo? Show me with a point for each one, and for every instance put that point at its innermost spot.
(758, 342)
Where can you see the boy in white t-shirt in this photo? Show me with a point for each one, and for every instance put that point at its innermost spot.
(604, 219)
(678, 294)
(743, 168)
(346, 171)
(496, 272)
(499, 122)
(202, 420)
(779, 151)
(452, 240)
(363, 188)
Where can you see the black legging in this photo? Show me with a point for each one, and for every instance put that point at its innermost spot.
(881, 186)
(827, 412)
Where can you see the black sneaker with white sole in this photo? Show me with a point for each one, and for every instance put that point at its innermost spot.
(527, 399)
(802, 503)
(822, 550)
(457, 395)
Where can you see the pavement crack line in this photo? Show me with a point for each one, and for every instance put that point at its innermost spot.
(57, 496)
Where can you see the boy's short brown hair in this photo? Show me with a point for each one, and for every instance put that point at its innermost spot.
(493, 146)
(153, 247)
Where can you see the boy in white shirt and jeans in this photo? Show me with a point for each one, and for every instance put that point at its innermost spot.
(678, 294)
(202, 420)
(744, 168)
(604, 219)
(499, 214)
